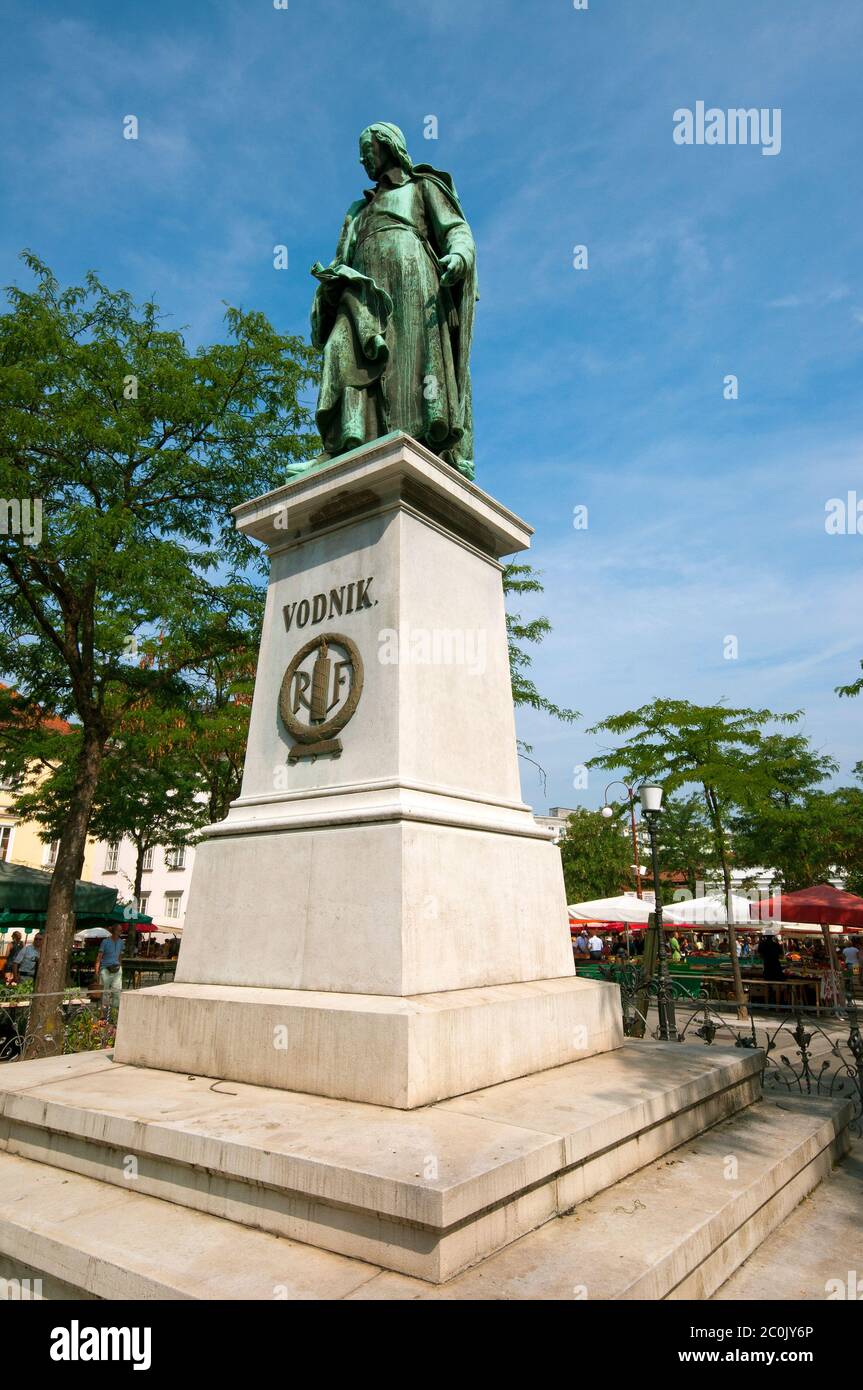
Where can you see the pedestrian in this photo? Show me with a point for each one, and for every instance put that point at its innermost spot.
(109, 972)
(12, 955)
(851, 954)
(674, 948)
(27, 960)
(771, 956)
(594, 946)
(581, 944)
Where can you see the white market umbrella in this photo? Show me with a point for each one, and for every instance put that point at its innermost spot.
(634, 911)
(711, 908)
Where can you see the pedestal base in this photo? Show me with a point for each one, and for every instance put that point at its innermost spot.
(384, 1050)
(427, 1193)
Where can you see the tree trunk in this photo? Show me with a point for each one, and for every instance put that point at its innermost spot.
(45, 1022)
(140, 849)
(713, 808)
(834, 967)
(742, 1010)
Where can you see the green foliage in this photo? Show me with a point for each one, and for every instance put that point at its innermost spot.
(597, 856)
(790, 826)
(687, 841)
(136, 449)
(523, 579)
(87, 1032)
(136, 492)
(677, 744)
(16, 991)
(853, 689)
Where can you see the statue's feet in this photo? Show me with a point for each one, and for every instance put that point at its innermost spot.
(461, 465)
(299, 470)
(466, 468)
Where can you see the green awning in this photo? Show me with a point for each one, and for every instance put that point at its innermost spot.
(26, 890)
(35, 921)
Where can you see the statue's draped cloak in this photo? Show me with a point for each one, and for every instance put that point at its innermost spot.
(385, 282)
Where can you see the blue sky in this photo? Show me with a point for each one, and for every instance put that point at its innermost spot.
(601, 388)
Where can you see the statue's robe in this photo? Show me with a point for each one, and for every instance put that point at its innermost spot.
(385, 282)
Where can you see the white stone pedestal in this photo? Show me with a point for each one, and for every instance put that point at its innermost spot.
(379, 917)
(377, 942)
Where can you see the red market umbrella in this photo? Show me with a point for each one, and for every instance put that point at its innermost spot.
(825, 905)
(822, 904)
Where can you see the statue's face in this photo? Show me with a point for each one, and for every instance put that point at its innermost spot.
(371, 156)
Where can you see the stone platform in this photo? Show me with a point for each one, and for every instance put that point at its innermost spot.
(392, 1051)
(119, 1182)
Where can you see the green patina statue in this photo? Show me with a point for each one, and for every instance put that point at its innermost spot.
(394, 311)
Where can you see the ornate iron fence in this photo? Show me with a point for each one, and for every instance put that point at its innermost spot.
(80, 1019)
(802, 1052)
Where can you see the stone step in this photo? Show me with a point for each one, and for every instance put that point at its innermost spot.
(426, 1192)
(817, 1253)
(676, 1229)
(88, 1239)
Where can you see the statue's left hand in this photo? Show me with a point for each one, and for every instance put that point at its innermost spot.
(453, 269)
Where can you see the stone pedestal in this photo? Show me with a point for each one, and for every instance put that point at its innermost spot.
(379, 917)
(377, 941)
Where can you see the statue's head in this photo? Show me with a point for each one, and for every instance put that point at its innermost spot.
(382, 145)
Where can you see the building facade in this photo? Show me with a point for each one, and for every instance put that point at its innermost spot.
(21, 842)
(164, 885)
(555, 821)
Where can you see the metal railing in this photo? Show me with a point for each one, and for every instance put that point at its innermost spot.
(804, 1051)
(81, 1020)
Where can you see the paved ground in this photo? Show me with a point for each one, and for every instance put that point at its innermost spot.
(822, 1241)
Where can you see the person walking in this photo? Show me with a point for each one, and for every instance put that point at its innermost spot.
(27, 961)
(594, 946)
(12, 955)
(109, 973)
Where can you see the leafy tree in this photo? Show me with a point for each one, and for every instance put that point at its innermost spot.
(714, 746)
(847, 805)
(136, 449)
(677, 744)
(597, 856)
(140, 796)
(853, 689)
(209, 737)
(688, 846)
(523, 579)
(788, 824)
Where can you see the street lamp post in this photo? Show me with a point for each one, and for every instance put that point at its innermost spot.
(651, 807)
(608, 812)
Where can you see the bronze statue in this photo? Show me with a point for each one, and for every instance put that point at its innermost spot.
(393, 312)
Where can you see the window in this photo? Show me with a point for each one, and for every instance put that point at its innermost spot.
(176, 858)
(148, 859)
(51, 854)
(111, 859)
(5, 841)
(172, 906)
(143, 899)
